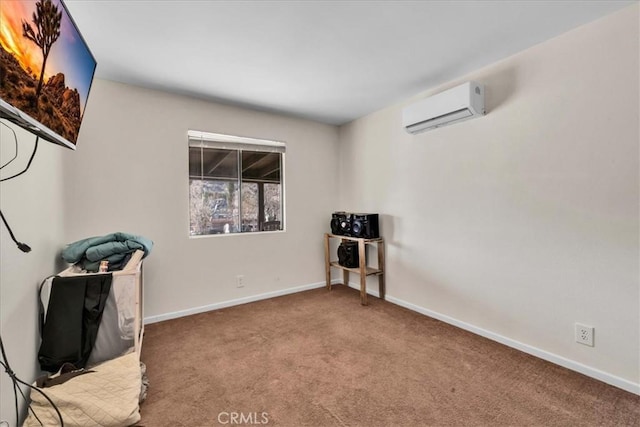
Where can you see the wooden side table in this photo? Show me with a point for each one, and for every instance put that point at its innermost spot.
(363, 270)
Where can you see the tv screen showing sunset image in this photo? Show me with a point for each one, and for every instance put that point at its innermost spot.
(46, 68)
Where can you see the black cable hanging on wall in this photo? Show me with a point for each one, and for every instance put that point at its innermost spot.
(15, 143)
(4, 362)
(22, 246)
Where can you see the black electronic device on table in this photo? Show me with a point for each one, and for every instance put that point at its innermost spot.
(361, 225)
(340, 223)
(348, 254)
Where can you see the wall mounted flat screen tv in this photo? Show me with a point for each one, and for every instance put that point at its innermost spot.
(46, 69)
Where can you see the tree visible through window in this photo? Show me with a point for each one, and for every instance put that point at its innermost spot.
(235, 184)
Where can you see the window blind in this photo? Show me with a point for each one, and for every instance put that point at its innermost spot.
(231, 142)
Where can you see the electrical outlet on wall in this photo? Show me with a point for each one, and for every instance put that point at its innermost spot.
(239, 281)
(584, 334)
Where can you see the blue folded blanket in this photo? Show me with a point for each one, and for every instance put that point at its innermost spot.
(113, 247)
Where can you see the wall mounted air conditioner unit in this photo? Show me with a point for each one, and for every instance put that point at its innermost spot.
(460, 103)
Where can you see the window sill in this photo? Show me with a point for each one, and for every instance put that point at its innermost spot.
(250, 233)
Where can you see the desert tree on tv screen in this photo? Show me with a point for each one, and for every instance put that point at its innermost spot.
(45, 66)
(47, 19)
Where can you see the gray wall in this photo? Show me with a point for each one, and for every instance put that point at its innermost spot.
(131, 174)
(33, 203)
(520, 223)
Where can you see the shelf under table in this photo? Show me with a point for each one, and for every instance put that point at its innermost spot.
(362, 269)
(368, 271)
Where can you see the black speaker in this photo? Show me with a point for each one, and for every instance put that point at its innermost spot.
(365, 226)
(340, 223)
(348, 254)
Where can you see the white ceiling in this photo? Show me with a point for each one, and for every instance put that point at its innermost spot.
(329, 61)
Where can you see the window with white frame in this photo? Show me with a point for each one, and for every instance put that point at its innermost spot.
(236, 184)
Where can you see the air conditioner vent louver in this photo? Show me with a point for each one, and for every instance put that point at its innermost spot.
(451, 106)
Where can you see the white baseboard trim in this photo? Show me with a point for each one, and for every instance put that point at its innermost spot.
(534, 351)
(231, 303)
(356, 286)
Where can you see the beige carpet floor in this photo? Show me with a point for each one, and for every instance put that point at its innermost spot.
(319, 358)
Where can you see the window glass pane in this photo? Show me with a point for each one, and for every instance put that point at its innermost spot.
(219, 163)
(195, 162)
(259, 166)
(272, 207)
(213, 206)
(249, 207)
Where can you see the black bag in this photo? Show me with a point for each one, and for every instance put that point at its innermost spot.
(73, 317)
